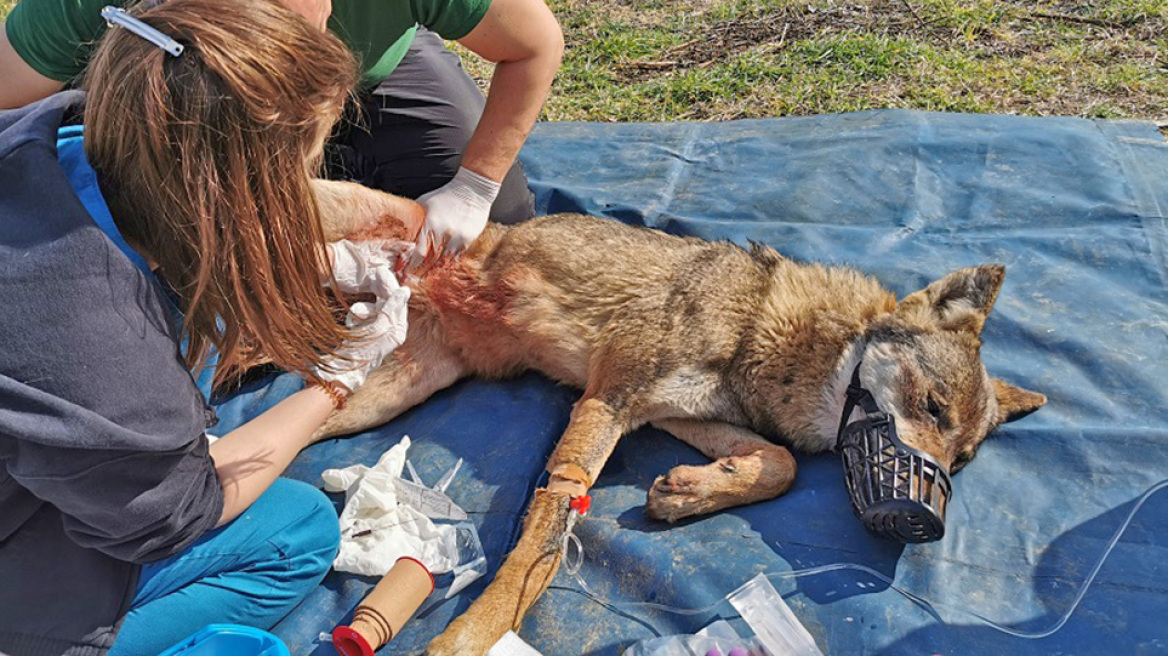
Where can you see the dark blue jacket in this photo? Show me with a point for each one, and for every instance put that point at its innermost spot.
(103, 460)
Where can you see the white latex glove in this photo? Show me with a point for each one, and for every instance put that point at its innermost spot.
(381, 327)
(456, 213)
(355, 264)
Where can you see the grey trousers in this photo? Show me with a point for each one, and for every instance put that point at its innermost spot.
(406, 135)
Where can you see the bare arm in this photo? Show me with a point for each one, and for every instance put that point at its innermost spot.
(251, 457)
(525, 41)
(19, 83)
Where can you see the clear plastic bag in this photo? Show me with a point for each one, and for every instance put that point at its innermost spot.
(467, 551)
(777, 630)
(767, 614)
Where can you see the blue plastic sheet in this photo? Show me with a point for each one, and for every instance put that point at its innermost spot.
(1076, 211)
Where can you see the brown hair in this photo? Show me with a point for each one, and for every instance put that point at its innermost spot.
(205, 160)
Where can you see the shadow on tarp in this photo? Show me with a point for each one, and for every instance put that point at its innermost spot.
(1123, 612)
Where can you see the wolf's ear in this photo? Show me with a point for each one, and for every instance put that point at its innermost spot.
(1015, 402)
(961, 300)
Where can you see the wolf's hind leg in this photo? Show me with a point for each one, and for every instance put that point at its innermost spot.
(409, 376)
(747, 468)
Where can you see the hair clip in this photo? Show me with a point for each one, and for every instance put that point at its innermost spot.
(118, 16)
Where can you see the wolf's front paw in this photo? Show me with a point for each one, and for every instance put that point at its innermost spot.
(683, 492)
(731, 481)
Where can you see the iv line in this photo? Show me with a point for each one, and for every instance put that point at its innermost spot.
(572, 566)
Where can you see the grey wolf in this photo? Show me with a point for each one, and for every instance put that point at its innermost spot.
(742, 353)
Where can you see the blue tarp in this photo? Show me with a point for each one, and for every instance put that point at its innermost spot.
(1076, 211)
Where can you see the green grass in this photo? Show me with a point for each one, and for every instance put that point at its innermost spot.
(719, 59)
(662, 60)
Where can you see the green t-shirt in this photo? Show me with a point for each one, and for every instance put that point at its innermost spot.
(56, 37)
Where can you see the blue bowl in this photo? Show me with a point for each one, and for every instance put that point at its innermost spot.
(229, 640)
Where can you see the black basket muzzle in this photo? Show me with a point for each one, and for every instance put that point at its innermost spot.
(899, 492)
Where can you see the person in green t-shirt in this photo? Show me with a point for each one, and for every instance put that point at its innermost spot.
(420, 126)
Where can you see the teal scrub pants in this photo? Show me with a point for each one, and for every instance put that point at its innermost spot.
(251, 571)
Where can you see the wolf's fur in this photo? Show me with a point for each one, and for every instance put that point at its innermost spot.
(733, 351)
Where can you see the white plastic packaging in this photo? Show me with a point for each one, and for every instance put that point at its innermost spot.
(387, 517)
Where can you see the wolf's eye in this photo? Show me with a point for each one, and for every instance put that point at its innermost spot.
(934, 408)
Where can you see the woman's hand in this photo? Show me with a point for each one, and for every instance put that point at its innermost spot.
(367, 267)
(456, 214)
(357, 265)
(380, 326)
(249, 458)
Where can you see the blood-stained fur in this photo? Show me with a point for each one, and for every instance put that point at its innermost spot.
(741, 353)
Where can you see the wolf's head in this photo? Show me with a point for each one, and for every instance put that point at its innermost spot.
(922, 364)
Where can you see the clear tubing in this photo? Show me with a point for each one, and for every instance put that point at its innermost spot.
(572, 566)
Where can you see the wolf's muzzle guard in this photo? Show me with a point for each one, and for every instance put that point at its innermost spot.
(899, 492)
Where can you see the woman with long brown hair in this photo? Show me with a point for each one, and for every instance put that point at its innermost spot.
(195, 230)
